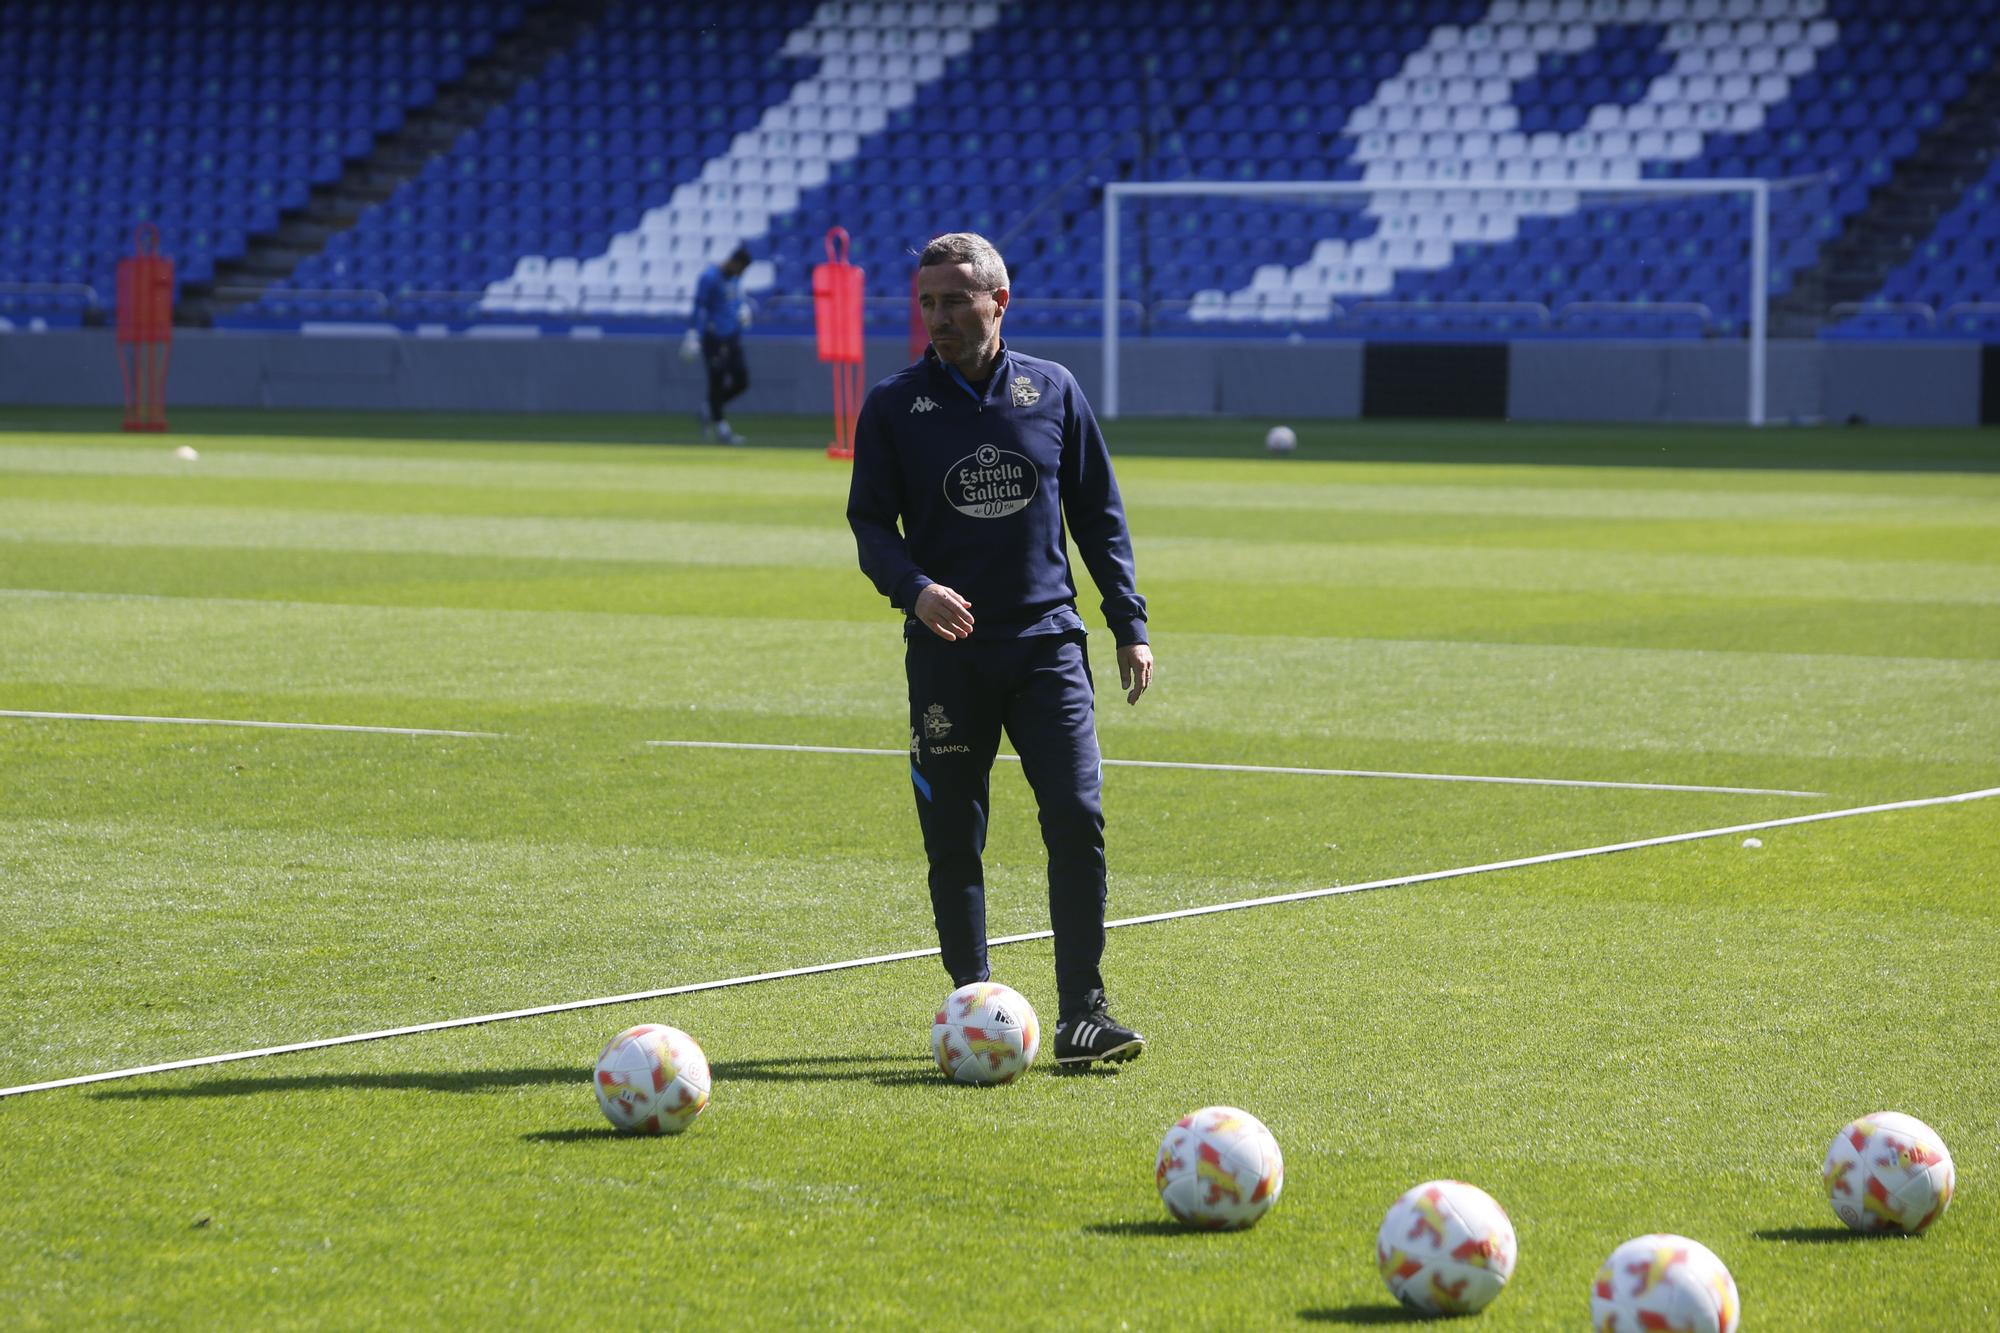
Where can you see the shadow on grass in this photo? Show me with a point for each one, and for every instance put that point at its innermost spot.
(1813, 1235)
(463, 1080)
(900, 1071)
(633, 428)
(1366, 1314)
(884, 1071)
(1158, 1226)
(822, 1068)
(1814, 449)
(924, 1071)
(592, 1135)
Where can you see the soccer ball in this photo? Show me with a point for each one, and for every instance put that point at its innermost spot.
(1888, 1172)
(1445, 1247)
(1219, 1168)
(1281, 440)
(1664, 1282)
(652, 1079)
(985, 1033)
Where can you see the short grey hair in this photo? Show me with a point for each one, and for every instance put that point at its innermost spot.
(967, 247)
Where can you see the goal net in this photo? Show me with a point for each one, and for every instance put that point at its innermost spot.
(1451, 260)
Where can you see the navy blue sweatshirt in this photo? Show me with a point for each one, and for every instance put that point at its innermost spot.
(982, 487)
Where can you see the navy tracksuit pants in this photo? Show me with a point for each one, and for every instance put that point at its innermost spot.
(728, 375)
(1038, 689)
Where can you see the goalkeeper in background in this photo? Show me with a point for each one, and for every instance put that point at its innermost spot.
(720, 316)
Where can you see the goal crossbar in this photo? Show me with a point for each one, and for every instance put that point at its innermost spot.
(1757, 189)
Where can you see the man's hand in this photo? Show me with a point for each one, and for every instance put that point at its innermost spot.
(948, 615)
(1135, 670)
(690, 346)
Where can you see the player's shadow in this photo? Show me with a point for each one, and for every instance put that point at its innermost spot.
(884, 1071)
(1813, 1235)
(456, 1080)
(899, 1069)
(1365, 1314)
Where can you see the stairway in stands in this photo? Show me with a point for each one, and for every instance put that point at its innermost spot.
(1952, 157)
(398, 157)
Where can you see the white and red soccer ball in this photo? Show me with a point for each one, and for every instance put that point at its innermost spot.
(985, 1033)
(1446, 1247)
(652, 1079)
(1888, 1172)
(1662, 1282)
(1219, 1168)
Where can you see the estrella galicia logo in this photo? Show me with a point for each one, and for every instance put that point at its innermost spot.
(990, 483)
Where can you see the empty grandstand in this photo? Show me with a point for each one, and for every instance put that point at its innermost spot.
(448, 164)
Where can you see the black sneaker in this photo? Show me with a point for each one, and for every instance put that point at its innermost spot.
(1093, 1034)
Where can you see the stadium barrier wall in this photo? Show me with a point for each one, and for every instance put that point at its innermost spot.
(1923, 384)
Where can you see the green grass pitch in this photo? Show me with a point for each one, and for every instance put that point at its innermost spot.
(1662, 1039)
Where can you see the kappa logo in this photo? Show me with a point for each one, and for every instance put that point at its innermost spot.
(1025, 392)
(936, 725)
(916, 743)
(924, 403)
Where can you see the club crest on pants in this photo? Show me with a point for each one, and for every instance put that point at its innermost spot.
(936, 724)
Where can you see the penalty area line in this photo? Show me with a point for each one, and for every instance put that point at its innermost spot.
(1424, 877)
(1270, 768)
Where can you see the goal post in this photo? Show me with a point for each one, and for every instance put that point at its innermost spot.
(1315, 299)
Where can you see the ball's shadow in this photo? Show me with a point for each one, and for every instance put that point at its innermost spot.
(1817, 1235)
(1158, 1226)
(890, 1069)
(591, 1135)
(1364, 1314)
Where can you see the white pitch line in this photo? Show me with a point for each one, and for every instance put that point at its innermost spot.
(1298, 772)
(1009, 758)
(239, 722)
(1424, 877)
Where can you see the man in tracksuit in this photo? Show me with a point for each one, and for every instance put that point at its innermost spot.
(983, 455)
(720, 317)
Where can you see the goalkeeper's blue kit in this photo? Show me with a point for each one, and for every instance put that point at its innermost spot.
(983, 481)
(718, 315)
(718, 300)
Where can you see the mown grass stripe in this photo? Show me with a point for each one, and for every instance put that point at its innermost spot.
(241, 722)
(1211, 909)
(1280, 769)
